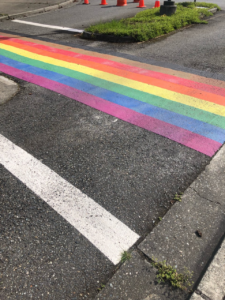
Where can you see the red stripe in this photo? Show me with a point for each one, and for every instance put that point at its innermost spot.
(175, 85)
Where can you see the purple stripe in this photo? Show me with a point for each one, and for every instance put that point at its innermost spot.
(177, 134)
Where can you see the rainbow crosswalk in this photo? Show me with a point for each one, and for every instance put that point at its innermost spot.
(180, 106)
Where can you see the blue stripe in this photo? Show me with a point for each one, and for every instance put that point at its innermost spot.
(199, 127)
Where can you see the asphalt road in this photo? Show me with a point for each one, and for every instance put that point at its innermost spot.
(80, 16)
(133, 173)
(199, 48)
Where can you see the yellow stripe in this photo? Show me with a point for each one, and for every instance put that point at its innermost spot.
(170, 95)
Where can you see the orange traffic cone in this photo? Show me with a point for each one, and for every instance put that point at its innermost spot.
(121, 3)
(157, 4)
(104, 2)
(141, 4)
(86, 2)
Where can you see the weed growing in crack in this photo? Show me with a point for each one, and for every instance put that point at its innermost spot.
(125, 256)
(101, 287)
(178, 196)
(167, 273)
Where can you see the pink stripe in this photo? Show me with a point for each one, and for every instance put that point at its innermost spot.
(165, 77)
(177, 134)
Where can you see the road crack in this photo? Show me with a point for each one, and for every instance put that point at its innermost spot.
(216, 202)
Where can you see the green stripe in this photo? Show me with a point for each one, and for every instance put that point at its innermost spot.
(179, 108)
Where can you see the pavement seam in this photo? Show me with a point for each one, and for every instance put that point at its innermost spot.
(40, 10)
(203, 296)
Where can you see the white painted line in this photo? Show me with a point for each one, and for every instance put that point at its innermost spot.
(102, 229)
(48, 26)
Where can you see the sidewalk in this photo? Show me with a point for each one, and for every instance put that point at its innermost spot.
(17, 7)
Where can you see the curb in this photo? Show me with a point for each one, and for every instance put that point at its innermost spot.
(8, 89)
(107, 38)
(38, 11)
(213, 10)
(212, 285)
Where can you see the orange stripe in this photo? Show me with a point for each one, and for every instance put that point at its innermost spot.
(126, 74)
(181, 74)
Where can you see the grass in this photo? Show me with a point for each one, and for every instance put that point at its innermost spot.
(101, 287)
(167, 273)
(125, 256)
(148, 24)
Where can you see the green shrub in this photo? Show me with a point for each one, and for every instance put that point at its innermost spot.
(148, 24)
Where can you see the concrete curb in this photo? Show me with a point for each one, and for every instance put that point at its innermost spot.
(40, 10)
(8, 89)
(212, 285)
(213, 10)
(107, 38)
